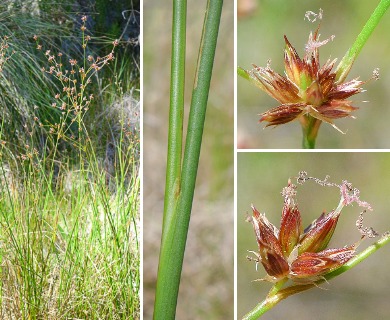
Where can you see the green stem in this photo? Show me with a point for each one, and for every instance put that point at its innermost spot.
(346, 63)
(242, 73)
(262, 308)
(176, 110)
(268, 303)
(176, 222)
(272, 299)
(277, 286)
(175, 142)
(310, 128)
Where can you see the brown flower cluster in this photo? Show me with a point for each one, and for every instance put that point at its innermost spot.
(74, 78)
(302, 255)
(5, 52)
(307, 89)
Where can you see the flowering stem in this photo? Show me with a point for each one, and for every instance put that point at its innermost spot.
(349, 58)
(276, 295)
(180, 183)
(310, 128)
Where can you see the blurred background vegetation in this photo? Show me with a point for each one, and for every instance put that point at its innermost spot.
(361, 293)
(206, 290)
(260, 30)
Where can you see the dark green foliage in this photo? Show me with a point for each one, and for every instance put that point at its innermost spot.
(27, 93)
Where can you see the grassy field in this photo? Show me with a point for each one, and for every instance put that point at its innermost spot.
(69, 161)
(69, 251)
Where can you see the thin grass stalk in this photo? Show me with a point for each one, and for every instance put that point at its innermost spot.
(176, 221)
(176, 110)
(346, 63)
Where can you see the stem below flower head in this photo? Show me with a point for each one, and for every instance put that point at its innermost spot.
(310, 126)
